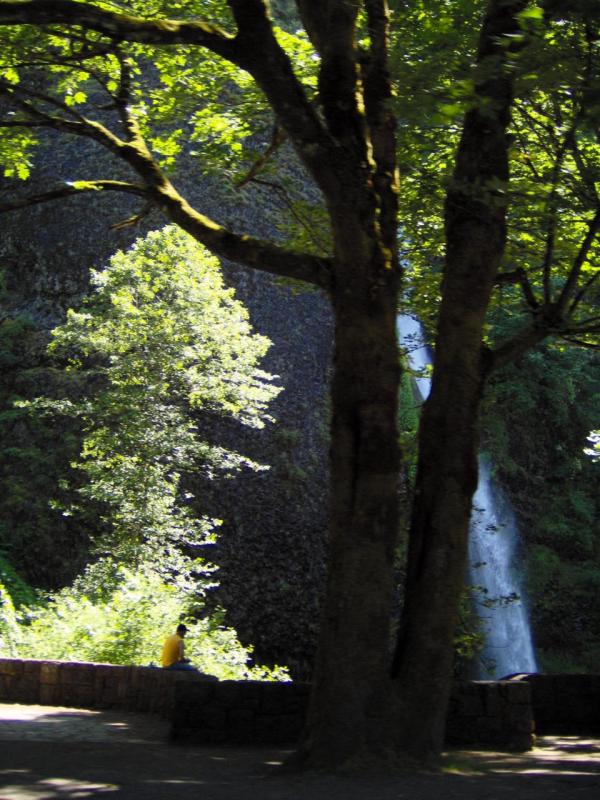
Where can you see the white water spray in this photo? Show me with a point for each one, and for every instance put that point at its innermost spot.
(493, 546)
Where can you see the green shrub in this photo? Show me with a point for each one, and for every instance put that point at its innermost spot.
(127, 624)
(20, 592)
(8, 624)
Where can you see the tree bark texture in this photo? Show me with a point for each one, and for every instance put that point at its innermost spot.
(448, 435)
(347, 718)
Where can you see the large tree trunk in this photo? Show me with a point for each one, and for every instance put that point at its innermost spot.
(349, 704)
(448, 437)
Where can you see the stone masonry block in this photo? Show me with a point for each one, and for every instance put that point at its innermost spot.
(213, 716)
(27, 690)
(197, 693)
(11, 666)
(250, 694)
(80, 696)
(278, 729)
(516, 693)
(227, 693)
(493, 701)
(520, 718)
(49, 695)
(277, 697)
(241, 726)
(490, 730)
(461, 731)
(49, 672)
(469, 702)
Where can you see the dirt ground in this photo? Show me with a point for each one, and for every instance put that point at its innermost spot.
(72, 753)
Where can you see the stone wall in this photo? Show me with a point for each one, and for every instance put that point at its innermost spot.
(82, 685)
(565, 704)
(482, 712)
(239, 713)
(206, 711)
(491, 713)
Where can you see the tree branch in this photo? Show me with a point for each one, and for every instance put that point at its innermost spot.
(331, 26)
(581, 343)
(254, 48)
(71, 190)
(260, 54)
(519, 344)
(118, 25)
(552, 212)
(519, 276)
(579, 296)
(242, 249)
(278, 137)
(570, 286)
(122, 100)
(78, 125)
(380, 119)
(321, 244)
(16, 94)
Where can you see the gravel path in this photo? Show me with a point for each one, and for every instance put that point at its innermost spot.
(72, 753)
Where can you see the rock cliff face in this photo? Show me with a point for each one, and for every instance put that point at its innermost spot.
(271, 546)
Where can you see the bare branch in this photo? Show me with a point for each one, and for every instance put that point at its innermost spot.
(304, 224)
(278, 137)
(581, 342)
(71, 190)
(570, 286)
(519, 276)
(579, 296)
(552, 211)
(131, 222)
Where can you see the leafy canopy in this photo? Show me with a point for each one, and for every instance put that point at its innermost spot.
(195, 103)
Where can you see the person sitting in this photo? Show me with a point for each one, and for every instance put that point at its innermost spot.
(173, 651)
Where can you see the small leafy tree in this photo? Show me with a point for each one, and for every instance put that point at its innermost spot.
(158, 341)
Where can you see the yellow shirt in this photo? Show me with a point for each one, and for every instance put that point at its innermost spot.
(172, 650)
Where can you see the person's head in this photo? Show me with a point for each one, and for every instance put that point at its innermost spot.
(181, 630)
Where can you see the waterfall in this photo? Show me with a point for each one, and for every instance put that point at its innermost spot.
(493, 550)
(493, 546)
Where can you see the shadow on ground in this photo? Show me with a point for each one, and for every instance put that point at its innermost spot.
(66, 753)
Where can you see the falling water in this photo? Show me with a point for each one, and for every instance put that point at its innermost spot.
(493, 547)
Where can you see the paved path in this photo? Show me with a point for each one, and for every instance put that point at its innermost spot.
(75, 754)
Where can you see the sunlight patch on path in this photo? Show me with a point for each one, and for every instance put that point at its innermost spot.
(49, 723)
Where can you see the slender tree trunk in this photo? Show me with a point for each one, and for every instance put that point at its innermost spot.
(448, 436)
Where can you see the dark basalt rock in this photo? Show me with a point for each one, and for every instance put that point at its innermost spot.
(271, 544)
